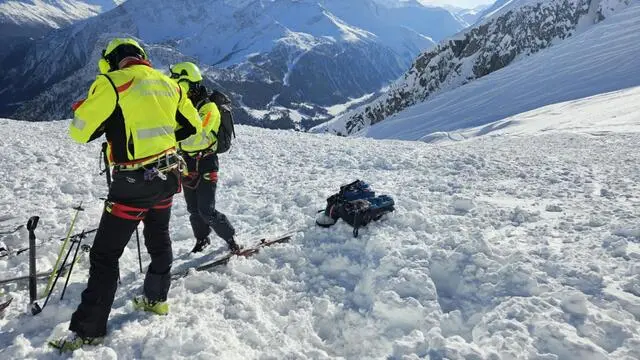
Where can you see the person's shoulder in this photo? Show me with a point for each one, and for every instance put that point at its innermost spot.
(208, 105)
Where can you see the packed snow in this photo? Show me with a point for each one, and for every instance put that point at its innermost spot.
(504, 247)
(604, 58)
(617, 111)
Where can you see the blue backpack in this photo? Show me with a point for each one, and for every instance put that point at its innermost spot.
(357, 204)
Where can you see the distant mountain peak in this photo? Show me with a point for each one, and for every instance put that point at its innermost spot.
(284, 62)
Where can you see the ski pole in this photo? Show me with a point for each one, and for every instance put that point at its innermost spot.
(139, 256)
(58, 273)
(32, 224)
(73, 262)
(64, 246)
(74, 236)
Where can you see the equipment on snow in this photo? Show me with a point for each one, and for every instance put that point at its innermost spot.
(42, 275)
(60, 272)
(73, 237)
(357, 204)
(73, 262)
(32, 224)
(4, 251)
(7, 232)
(4, 305)
(246, 252)
(226, 130)
(62, 249)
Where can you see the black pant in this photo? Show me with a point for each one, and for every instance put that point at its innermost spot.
(131, 200)
(200, 195)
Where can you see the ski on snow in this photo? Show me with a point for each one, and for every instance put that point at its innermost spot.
(5, 251)
(11, 231)
(5, 305)
(39, 275)
(246, 252)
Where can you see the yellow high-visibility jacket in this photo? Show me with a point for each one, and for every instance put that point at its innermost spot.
(206, 138)
(142, 112)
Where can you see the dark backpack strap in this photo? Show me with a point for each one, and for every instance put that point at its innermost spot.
(356, 224)
(115, 89)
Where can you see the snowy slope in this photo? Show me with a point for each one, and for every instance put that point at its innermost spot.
(512, 33)
(501, 248)
(610, 112)
(602, 59)
(288, 60)
(470, 15)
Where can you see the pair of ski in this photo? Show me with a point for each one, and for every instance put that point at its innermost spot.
(244, 252)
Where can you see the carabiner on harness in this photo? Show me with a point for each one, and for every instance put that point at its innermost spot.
(150, 174)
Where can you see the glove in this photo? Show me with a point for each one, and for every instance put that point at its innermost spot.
(219, 98)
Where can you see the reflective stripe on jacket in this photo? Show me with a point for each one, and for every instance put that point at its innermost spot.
(141, 111)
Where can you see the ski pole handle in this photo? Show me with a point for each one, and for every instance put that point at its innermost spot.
(32, 224)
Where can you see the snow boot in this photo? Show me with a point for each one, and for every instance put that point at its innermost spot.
(74, 342)
(233, 246)
(157, 307)
(201, 244)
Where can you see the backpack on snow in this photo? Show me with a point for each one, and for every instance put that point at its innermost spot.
(357, 204)
(226, 131)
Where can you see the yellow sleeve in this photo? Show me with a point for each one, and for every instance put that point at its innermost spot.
(210, 116)
(90, 114)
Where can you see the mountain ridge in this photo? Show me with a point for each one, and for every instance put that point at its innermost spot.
(293, 77)
(493, 43)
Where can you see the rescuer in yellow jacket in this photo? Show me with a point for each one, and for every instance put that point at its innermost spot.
(199, 152)
(142, 113)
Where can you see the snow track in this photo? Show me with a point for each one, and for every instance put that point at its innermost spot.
(500, 248)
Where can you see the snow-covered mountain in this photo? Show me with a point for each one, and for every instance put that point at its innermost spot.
(567, 71)
(509, 33)
(35, 17)
(503, 247)
(470, 15)
(23, 20)
(284, 61)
